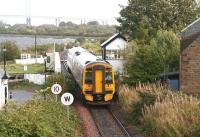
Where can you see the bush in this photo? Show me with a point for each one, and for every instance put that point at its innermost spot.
(147, 61)
(38, 118)
(160, 112)
(174, 116)
(59, 79)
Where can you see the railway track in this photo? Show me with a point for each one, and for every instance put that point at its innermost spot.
(107, 123)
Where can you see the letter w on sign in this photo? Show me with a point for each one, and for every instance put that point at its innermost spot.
(67, 98)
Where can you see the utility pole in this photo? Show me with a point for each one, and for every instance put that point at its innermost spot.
(35, 50)
(4, 58)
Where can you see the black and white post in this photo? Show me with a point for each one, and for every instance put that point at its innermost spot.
(67, 99)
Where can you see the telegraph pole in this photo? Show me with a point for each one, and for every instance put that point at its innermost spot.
(35, 50)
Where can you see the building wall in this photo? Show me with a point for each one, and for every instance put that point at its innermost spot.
(29, 61)
(118, 65)
(190, 68)
(38, 79)
(117, 44)
(54, 61)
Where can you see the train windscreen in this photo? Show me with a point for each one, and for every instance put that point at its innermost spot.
(108, 78)
(88, 79)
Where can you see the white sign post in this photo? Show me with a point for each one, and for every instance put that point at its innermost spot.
(25, 68)
(56, 89)
(67, 99)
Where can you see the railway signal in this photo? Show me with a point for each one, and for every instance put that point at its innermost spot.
(67, 99)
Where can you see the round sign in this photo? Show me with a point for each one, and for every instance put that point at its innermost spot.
(67, 99)
(56, 89)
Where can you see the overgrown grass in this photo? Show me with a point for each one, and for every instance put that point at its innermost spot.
(39, 118)
(23, 85)
(160, 112)
(19, 69)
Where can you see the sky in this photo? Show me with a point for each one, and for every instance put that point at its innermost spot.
(95, 9)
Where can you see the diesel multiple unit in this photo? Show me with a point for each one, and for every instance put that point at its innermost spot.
(94, 76)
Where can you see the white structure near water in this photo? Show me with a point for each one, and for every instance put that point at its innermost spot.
(53, 62)
(29, 59)
(38, 79)
(4, 94)
(112, 50)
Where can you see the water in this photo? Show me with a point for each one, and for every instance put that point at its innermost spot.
(24, 41)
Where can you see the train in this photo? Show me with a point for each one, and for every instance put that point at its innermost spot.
(94, 76)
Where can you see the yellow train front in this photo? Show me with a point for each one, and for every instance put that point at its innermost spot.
(94, 76)
(98, 83)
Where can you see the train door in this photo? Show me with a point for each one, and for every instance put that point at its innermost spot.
(98, 81)
(99, 85)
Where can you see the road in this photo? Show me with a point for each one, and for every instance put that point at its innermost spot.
(21, 96)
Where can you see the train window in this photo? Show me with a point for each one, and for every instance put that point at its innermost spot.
(88, 78)
(108, 77)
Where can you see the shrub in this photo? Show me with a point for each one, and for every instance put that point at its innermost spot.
(175, 116)
(38, 118)
(59, 79)
(133, 100)
(160, 112)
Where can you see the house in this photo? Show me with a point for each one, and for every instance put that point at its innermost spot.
(29, 59)
(190, 59)
(112, 50)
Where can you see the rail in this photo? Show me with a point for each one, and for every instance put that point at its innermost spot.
(107, 123)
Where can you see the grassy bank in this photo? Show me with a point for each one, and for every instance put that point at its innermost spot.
(17, 69)
(24, 85)
(159, 112)
(39, 118)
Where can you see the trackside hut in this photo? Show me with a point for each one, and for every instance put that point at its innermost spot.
(190, 59)
(112, 49)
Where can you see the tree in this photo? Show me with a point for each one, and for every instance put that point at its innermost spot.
(93, 23)
(146, 17)
(62, 24)
(161, 55)
(12, 50)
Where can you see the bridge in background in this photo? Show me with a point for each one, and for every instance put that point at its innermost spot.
(39, 20)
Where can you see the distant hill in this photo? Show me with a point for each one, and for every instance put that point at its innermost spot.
(91, 29)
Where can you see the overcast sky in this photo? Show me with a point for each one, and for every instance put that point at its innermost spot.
(98, 9)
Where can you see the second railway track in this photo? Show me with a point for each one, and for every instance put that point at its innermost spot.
(107, 124)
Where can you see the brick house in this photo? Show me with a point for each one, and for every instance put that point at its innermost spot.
(190, 59)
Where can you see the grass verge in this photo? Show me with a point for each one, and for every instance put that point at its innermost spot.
(19, 69)
(24, 85)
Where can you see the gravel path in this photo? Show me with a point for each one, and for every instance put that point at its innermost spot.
(87, 122)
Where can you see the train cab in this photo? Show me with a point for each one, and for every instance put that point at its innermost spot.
(94, 76)
(98, 82)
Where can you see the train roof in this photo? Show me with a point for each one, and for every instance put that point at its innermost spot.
(83, 56)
